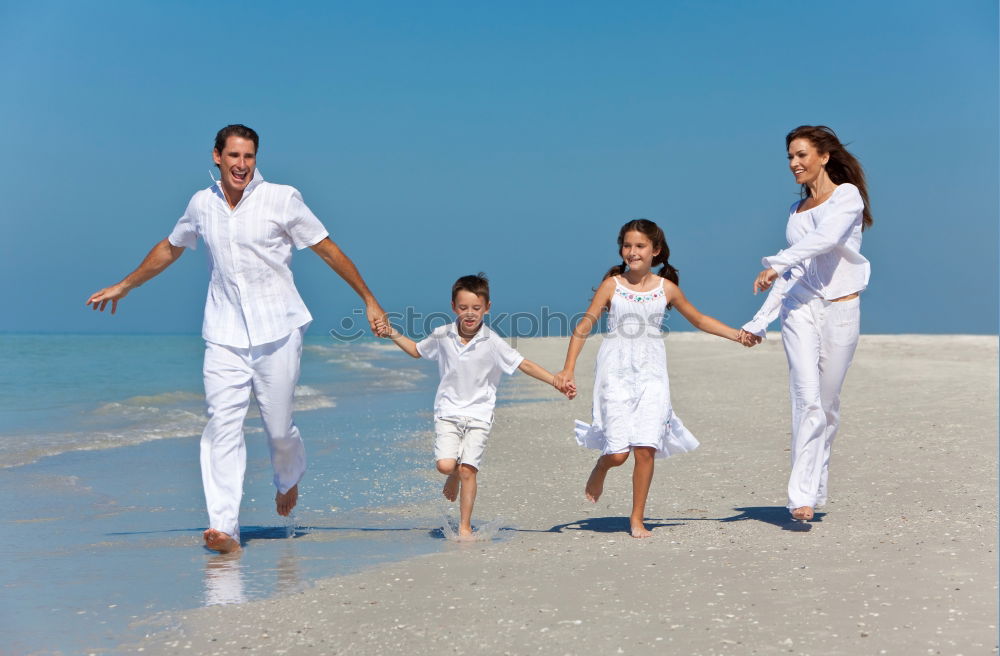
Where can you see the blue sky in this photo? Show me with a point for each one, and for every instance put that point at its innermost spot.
(442, 138)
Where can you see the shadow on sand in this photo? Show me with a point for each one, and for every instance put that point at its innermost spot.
(774, 515)
(617, 524)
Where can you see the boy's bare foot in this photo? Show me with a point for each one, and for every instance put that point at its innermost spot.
(595, 484)
(284, 503)
(222, 542)
(639, 530)
(804, 513)
(450, 489)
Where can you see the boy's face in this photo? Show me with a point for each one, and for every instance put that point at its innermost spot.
(470, 309)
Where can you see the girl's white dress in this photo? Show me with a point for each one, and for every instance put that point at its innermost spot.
(631, 387)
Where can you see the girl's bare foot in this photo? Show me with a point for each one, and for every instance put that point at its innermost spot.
(219, 541)
(595, 484)
(450, 489)
(284, 503)
(804, 513)
(639, 530)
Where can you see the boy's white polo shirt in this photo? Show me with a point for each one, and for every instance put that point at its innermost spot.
(469, 372)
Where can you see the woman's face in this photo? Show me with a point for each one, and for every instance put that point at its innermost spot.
(805, 161)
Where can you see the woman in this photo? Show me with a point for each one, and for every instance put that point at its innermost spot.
(817, 282)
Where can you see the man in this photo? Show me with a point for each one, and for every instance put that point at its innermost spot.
(254, 320)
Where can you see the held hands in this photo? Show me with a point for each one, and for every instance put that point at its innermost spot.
(748, 340)
(114, 293)
(564, 382)
(764, 280)
(378, 321)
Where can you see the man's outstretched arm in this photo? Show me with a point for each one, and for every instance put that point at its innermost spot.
(345, 268)
(159, 258)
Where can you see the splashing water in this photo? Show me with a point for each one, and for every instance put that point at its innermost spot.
(291, 525)
(482, 533)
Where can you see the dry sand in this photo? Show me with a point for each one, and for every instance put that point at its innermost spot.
(902, 562)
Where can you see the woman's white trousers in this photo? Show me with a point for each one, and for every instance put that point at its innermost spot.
(819, 337)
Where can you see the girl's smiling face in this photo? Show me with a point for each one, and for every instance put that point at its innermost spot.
(638, 251)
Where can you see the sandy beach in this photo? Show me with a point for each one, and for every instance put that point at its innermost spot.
(902, 561)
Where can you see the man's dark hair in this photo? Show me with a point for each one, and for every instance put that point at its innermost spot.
(477, 284)
(236, 130)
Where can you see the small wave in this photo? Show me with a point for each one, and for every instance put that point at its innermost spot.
(321, 350)
(173, 424)
(351, 363)
(165, 398)
(309, 398)
(136, 420)
(385, 346)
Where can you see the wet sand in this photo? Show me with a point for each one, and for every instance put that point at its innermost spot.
(902, 560)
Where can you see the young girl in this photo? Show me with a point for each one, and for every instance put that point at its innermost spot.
(632, 410)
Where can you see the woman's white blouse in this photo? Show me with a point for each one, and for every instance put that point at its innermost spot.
(823, 257)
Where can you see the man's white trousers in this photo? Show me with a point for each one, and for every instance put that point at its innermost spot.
(819, 337)
(271, 372)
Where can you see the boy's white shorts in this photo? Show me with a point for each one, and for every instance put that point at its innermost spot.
(461, 438)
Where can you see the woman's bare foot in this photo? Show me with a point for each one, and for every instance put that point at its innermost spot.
(219, 541)
(639, 530)
(465, 534)
(803, 513)
(284, 503)
(595, 484)
(450, 489)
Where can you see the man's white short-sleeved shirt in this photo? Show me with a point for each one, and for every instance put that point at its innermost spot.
(469, 372)
(252, 299)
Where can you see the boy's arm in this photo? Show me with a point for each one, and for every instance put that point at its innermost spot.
(541, 373)
(403, 342)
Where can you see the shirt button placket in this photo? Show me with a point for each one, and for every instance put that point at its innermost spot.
(233, 227)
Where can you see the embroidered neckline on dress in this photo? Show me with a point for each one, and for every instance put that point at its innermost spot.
(638, 297)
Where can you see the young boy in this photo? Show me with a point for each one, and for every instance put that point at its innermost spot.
(470, 359)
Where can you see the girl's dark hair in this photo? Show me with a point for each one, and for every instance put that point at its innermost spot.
(235, 130)
(659, 242)
(842, 167)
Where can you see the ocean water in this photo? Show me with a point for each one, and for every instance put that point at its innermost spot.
(99, 468)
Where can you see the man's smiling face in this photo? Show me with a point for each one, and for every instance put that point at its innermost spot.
(236, 162)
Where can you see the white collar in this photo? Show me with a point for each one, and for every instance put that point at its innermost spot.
(258, 177)
(482, 334)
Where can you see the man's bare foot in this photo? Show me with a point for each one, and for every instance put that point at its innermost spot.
(284, 503)
(639, 530)
(595, 484)
(218, 541)
(804, 513)
(450, 489)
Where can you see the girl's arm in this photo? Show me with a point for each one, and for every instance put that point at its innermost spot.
(700, 321)
(541, 373)
(402, 341)
(601, 300)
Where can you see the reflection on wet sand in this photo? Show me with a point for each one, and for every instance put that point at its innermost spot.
(224, 580)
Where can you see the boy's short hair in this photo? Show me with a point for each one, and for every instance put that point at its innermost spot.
(477, 284)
